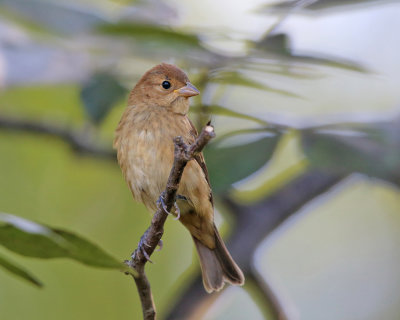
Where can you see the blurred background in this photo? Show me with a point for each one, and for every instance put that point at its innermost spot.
(304, 97)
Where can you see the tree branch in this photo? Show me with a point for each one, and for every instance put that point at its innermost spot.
(77, 140)
(152, 237)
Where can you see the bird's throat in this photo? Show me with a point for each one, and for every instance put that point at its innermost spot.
(180, 105)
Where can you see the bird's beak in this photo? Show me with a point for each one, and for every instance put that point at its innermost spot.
(188, 91)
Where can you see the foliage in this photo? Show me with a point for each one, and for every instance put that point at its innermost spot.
(100, 94)
(39, 241)
(105, 58)
(370, 149)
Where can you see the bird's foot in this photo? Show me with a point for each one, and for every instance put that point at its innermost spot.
(160, 245)
(141, 247)
(177, 211)
(160, 202)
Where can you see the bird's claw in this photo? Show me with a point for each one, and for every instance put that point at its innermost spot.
(141, 248)
(160, 202)
(160, 245)
(178, 211)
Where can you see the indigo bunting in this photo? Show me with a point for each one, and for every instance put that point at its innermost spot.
(156, 113)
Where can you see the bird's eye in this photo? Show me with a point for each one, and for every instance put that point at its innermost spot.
(166, 84)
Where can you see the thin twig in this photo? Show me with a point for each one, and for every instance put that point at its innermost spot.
(151, 238)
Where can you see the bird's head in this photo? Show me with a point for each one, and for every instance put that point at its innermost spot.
(165, 85)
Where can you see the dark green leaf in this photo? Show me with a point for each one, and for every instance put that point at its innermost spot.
(275, 43)
(31, 239)
(100, 94)
(370, 149)
(19, 272)
(227, 165)
(86, 252)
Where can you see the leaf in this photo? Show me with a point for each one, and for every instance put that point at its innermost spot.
(372, 149)
(86, 252)
(162, 42)
(56, 15)
(31, 239)
(153, 35)
(222, 111)
(100, 94)
(278, 45)
(323, 5)
(229, 164)
(19, 272)
(238, 79)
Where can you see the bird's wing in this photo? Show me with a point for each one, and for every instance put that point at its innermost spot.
(200, 159)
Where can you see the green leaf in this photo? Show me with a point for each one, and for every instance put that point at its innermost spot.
(31, 239)
(222, 111)
(19, 272)
(162, 43)
(372, 149)
(86, 252)
(239, 79)
(229, 164)
(153, 35)
(100, 94)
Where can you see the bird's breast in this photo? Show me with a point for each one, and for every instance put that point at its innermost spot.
(146, 152)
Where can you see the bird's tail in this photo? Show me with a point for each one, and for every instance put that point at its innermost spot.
(217, 265)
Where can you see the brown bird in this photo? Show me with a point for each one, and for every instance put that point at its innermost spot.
(156, 113)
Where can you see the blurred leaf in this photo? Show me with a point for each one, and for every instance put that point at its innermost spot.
(100, 94)
(275, 43)
(334, 62)
(153, 35)
(238, 79)
(157, 12)
(279, 45)
(222, 111)
(31, 239)
(270, 129)
(161, 42)
(19, 272)
(372, 149)
(56, 15)
(320, 5)
(227, 165)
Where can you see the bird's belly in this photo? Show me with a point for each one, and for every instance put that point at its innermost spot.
(150, 159)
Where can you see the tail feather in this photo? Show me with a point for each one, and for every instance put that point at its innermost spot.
(217, 265)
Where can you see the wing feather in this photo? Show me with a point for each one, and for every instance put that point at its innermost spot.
(200, 159)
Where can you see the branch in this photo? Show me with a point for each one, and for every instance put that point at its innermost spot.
(78, 141)
(152, 237)
(254, 222)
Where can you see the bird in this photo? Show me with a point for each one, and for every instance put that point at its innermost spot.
(156, 113)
